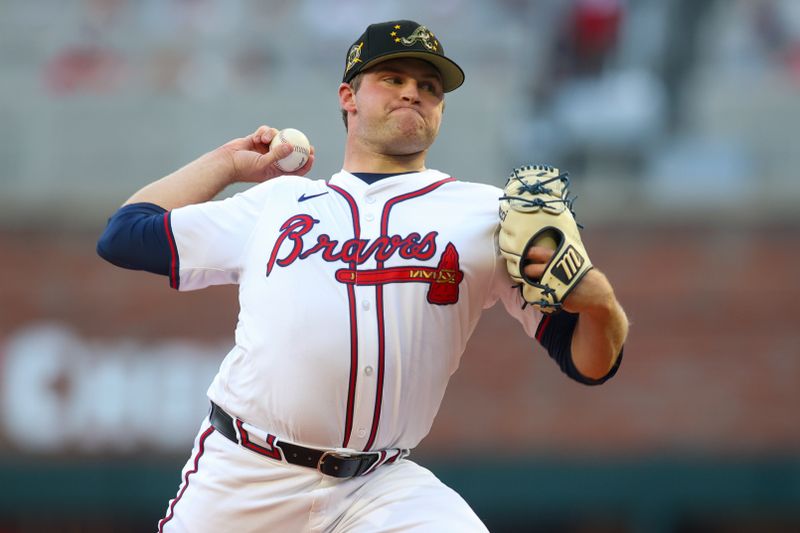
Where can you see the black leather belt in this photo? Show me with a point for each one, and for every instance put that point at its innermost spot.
(330, 463)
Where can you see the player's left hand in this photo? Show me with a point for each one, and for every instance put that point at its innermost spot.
(593, 292)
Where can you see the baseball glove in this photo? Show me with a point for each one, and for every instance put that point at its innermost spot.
(536, 210)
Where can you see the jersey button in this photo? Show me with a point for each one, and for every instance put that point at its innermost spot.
(370, 199)
(368, 370)
(362, 432)
(369, 217)
(365, 305)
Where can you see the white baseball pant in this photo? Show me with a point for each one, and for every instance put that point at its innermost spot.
(226, 487)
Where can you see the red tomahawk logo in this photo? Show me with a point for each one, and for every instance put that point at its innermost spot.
(443, 280)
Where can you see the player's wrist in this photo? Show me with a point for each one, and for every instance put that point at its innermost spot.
(221, 164)
(593, 296)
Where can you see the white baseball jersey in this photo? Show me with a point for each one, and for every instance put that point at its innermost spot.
(356, 300)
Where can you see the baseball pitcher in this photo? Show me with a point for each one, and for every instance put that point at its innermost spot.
(357, 296)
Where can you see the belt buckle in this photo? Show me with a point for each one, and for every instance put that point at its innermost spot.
(331, 453)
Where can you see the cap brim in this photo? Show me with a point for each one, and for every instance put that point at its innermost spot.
(452, 75)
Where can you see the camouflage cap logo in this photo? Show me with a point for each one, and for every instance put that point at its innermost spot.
(421, 34)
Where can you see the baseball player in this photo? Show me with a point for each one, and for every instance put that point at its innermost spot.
(357, 297)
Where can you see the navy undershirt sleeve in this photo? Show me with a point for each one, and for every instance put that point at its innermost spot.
(136, 238)
(555, 334)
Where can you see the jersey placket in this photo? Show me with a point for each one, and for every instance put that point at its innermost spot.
(369, 332)
(365, 329)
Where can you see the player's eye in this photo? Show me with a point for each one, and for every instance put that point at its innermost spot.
(431, 87)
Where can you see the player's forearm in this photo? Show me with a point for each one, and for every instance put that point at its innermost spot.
(199, 181)
(598, 338)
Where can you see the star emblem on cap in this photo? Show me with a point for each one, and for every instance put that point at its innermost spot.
(394, 33)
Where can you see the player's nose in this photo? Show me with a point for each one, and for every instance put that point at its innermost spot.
(410, 91)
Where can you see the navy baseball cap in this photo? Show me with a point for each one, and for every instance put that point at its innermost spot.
(401, 38)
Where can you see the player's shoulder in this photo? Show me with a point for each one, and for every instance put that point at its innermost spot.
(478, 190)
(478, 200)
(283, 185)
(291, 182)
(465, 184)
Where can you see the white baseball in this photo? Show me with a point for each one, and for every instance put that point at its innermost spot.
(302, 149)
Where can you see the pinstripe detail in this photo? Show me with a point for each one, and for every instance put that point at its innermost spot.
(200, 450)
(351, 300)
(174, 278)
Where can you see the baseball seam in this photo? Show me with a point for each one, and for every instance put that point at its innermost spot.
(299, 149)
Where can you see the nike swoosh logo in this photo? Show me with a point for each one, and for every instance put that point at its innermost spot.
(303, 196)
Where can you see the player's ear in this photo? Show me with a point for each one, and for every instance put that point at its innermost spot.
(347, 97)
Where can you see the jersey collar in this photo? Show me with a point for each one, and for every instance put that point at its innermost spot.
(397, 184)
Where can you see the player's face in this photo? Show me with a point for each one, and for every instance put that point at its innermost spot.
(399, 107)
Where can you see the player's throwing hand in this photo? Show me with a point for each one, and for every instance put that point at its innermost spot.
(253, 161)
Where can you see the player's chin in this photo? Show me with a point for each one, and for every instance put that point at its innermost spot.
(412, 147)
(412, 140)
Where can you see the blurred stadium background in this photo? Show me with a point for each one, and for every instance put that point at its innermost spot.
(677, 120)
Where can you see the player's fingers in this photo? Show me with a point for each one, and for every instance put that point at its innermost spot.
(260, 167)
(539, 254)
(302, 171)
(276, 153)
(536, 260)
(261, 130)
(268, 134)
(261, 138)
(534, 270)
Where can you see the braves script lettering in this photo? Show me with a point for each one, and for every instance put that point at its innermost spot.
(352, 251)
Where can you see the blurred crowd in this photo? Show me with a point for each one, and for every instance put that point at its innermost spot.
(105, 45)
(607, 88)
